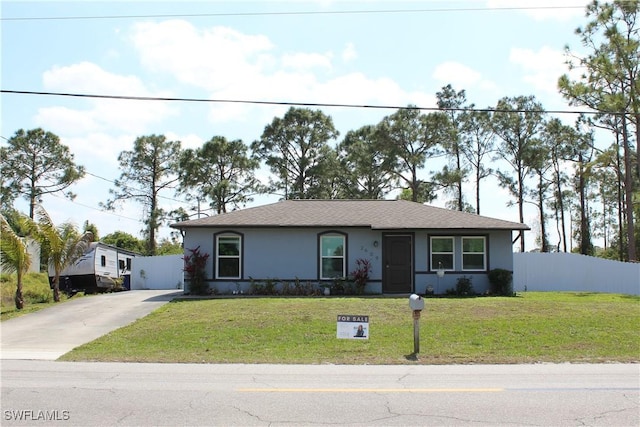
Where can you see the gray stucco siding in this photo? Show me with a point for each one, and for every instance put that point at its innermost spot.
(501, 250)
(499, 254)
(289, 253)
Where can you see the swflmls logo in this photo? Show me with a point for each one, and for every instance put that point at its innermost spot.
(36, 415)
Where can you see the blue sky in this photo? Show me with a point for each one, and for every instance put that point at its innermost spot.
(392, 53)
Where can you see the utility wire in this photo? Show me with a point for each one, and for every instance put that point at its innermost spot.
(302, 104)
(94, 208)
(294, 13)
(136, 189)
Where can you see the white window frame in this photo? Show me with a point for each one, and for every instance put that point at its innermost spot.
(452, 253)
(343, 256)
(238, 257)
(484, 252)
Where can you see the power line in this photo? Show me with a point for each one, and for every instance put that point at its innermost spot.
(299, 104)
(136, 189)
(126, 187)
(106, 211)
(94, 208)
(99, 177)
(293, 13)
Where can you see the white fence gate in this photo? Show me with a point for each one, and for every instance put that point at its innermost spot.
(157, 272)
(571, 272)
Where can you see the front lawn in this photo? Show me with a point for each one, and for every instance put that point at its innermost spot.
(529, 328)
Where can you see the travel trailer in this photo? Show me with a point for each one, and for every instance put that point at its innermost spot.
(103, 268)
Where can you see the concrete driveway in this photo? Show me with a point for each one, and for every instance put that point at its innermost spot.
(54, 331)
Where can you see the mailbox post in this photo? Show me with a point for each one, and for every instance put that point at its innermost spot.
(416, 303)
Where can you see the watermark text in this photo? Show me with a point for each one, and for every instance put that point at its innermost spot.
(36, 415)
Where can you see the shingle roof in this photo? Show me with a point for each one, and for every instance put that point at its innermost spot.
(375, 214)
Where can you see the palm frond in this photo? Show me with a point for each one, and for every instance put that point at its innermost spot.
(14, 256)
(75, 244)
(66, 244)
(47, 230)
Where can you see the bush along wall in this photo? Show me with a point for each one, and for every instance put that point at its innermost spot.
(501, 281)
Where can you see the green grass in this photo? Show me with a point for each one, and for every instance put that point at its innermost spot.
(35, 290)
(534, 327)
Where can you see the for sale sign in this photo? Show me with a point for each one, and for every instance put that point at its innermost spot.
(353, 327)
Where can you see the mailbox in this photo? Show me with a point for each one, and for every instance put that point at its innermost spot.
(416, 302)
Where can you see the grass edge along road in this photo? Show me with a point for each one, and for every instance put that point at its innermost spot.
(529, 328)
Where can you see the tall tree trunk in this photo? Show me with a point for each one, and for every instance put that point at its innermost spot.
(521, 205)
(478, 191)
(560, 199)
(563, 224)
(459, 181)
(585, 233)
(32, 189)
(543, 229)
(153, 223)
(605, 223)
(56, 288)
(638, 147)
(19, 299)
(558, 228)
(628, 192)
(621, 252)
(415, 184)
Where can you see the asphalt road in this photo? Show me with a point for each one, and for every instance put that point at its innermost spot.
(48, 334)
(123, 394)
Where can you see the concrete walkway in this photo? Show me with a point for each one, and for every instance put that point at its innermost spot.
(48, 334)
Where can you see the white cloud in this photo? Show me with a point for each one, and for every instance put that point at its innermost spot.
(459, 75)
(86, 77)
(231, 65)
(98, 151)
(60, 118)
(456, 73)
(189, 140)
(542, 68)
(356, 88)
(540, 10)
(101, 114)
(212, 58)
(307, 61)
(349, 53)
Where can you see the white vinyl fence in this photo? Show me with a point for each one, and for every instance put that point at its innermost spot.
(571, 272)
(157, 272)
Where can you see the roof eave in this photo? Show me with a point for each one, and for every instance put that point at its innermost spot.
(515, 227)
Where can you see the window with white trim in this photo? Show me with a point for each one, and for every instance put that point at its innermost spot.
(332, 256)
(442, 250)
(228, 256)
(474, 253)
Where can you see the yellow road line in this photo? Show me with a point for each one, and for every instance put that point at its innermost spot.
(370, 390)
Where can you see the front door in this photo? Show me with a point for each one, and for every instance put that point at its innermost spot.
(397, 262)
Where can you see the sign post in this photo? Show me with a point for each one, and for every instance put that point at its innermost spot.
(416, 331)
(416, 303)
